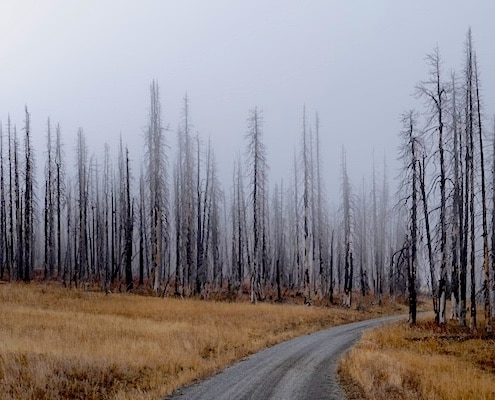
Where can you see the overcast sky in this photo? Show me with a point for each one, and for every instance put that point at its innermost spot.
(89, 64)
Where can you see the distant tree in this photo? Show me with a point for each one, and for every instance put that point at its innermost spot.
(307, 201)
(157, 189)
(296, 223)
(3, 211)
(378, 250)
(348, 227)
(185, 203)
(322, 229)
(279, 238)
(81, 268)
(200, 221)
(59, 192)
(142, 231)
(49, 209)
(256, 159)
(213, 221)
(29, 203)
(363, 236)
(11, 254)
(240, 245)
(129, 226)
(107, 219)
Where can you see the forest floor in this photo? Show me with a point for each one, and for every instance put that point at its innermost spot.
(397, 361)
(81, 344)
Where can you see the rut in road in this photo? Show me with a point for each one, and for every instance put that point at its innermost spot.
(301, 368)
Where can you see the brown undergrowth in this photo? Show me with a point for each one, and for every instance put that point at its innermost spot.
(60, 343)
(423, 362)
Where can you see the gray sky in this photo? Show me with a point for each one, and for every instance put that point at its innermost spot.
(89, 64)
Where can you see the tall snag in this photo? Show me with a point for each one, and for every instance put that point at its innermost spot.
(256, 159)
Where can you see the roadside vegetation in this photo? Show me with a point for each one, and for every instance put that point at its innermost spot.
(60, 343)
(425, 361)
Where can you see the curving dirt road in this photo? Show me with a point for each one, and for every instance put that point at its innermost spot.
(302, 368)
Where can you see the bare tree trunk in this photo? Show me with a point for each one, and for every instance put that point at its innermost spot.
(142, 213)
(157, 176)
(426, 215)
(298, 273)
(486, 263)
(349, 256)
(28, 204)
(470, 174)
(128, 227)
(49, 209)
(457, 208)
(377, 248)
(82, 266)
(435, 96)
(306, 222)
(408, 121)
(257, 162)
(331, 269)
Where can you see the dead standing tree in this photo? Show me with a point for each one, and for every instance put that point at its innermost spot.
(411, 174)
(29, 203)
(157, 190)
(435, 93)
(256, 160)
(348, 234)
(486, 261)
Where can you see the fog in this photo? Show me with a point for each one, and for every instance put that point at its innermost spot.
(89, 64)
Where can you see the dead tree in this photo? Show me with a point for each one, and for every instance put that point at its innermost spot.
(434, 92)
(348, 234)
(81, 270)
(307, 264)
(457, 204)
(486, 261)
(29, 205)
(49, 217)
(411, 174)
(256, 160)
(129, 226)
(157, 190)
(469, 192)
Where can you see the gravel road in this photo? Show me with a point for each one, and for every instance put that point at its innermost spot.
(301, 368)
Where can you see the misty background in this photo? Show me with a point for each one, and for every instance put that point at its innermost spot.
(89, 64)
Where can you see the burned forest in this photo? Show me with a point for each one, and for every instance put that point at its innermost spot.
(160, 220)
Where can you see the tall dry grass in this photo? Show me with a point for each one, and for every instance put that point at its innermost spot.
(57, 343)
(422, 362)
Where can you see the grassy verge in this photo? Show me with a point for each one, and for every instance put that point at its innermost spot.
(422, 362)
(57, 343)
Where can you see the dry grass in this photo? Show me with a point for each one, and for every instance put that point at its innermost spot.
(58, 343)
(423, 362)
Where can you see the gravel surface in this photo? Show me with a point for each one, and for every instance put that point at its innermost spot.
(301, 368)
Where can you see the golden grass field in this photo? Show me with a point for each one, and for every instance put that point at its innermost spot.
(423, 362)
(60, 343)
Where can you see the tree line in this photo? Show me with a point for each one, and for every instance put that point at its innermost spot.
(169, 225)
